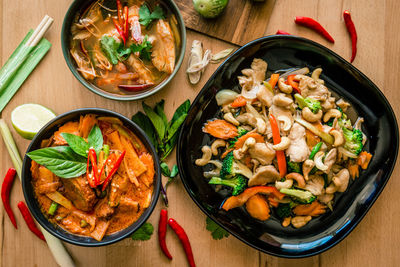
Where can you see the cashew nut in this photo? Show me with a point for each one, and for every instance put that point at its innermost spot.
(282, 100)
(284, 144)
(286, 184)
(310, 116)
(338, 136)
(315, 75)
(261, 126)
(300, 221)
(308, 165)
(286, 221)
(298, 178)
(318, 161)
(332, 113)
(285, 123)
(341, 180)
(285, 88)
(343, 104)
(239, 153)
(217, 144)
(229, 117)
(206, 156)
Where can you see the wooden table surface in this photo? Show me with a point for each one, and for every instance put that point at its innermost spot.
(375, 241)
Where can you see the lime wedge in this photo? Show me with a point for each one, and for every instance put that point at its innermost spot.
(28, 119)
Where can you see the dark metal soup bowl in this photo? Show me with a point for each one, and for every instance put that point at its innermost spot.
(78, 7)
(46, 132)
(321, 233)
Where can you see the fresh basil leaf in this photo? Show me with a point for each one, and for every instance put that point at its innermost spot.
(182, 109)
(155, 120)
(95, 138)
(169, 146)
(159, 109)
(174, 171)
(165, 169)
(60, 160)
(145, 17)
(173, 129)
(76, 143)
(145, 124)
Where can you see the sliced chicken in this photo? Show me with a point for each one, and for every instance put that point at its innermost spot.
(264, 175)
(298, 150)
(262, 152)
(163, 52)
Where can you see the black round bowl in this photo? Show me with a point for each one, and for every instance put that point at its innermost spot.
(78, 7)
(29, 194)
(320, 234)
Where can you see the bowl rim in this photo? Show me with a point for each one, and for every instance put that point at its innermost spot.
(356, 220)
(48, 226)
(65, 50)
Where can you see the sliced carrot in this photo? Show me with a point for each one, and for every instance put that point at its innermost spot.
(239, 143)
(258, 208)
(226, 153)
(353, 170)
(314, 209)
(274, 79)
(363, 159)
(240, 101)
(311, 139)
(220, 129)
(295, 85)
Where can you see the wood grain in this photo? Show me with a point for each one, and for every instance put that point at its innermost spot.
(241, 22)
(373, 243)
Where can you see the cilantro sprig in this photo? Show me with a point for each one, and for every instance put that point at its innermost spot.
(146, 17)
(217, 232)
(144, 232)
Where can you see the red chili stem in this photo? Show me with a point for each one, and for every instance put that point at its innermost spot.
(180, 232)
(29, 220)
(5, 194)
(135, 87)
(282, 32)
(113, 170)
(162, 231)
(353, 33)
(314, 25)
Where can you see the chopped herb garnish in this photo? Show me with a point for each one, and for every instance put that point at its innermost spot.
(146, 17)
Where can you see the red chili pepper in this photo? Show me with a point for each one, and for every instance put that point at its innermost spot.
(120, 12)
(353, 33)
(295, 85)
(29, 220)
(113, 170)
(126, 22)
(276, 137)
(314, 25)
(93, 176)
(162, 231)
(135, 87)
(119, 29)
(5, 194)
(282, 32)
(184, 240)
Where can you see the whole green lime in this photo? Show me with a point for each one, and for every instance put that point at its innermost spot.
(210, 8)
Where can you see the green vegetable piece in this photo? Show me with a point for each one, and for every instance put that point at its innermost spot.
(210, 8)
(165, 169)
(95, 138)
(146, 17)
(114, 50)
(60, 160)
(241, 132)
(353, 140)
(143, 48)
(145, 124)
(156, 120)
(324, 136)
(217, 231)
(301, 196)
(76, 143)
(231, 167)
(284, 209)
(312, 104)
(294, 167)
(315, 149)
(53, 208)
(144, 232)
(174, 171)
(106, 150)
(83, 223)
(159, 109)
(238, 183)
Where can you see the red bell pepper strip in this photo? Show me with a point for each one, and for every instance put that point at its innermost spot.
(314, 25)
(5, 194)
(113, 170)
(295, 85)
(29, 220)
(282, 32)
(93, 176)
(119, 29)
(180, 232)
(353, 33)
(239, 200)
(162, 231)
(273, 80)
(135, 87)
(276, 137)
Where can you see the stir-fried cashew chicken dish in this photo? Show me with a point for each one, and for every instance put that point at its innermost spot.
(283, 145)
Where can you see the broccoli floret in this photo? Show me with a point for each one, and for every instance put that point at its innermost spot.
(301, 196)
(241, 132)
(294, 167)
(238, 183)
(231, 167)
(284, 209)
(312, 104)
(353, 140)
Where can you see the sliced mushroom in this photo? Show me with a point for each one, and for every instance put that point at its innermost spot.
(264, 175)
(265, 96)
(331, 189)
(206, 156)
(330, 159)
(229, 117)
(308, 115)
(285, 88)
(247, 118)
(261, 126)
(308, 165)
(263, 152)
(325, 198)
(318, 161)
(217, 144)
(282, 100)
(284, 122)
(341, 180)
(315, 185)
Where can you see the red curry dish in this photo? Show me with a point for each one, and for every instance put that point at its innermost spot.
(109, 186)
